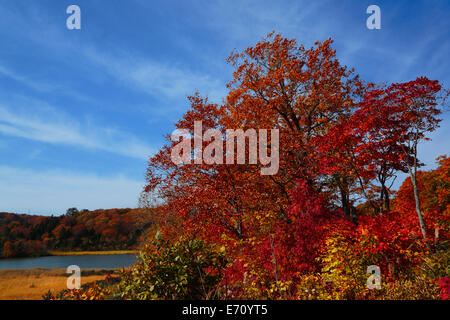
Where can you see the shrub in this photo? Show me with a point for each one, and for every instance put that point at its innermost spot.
(344, 265)
(186, 269)
(437, 265)
(90, 292)
(417, 288)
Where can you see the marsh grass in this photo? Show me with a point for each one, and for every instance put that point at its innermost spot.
(32, 284)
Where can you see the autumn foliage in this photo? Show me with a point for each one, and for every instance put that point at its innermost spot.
(330, 211)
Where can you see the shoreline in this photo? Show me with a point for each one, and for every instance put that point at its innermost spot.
(52, 253)
(86, 253)
(61, 271)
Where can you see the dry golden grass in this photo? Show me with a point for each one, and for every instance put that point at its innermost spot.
(31, 284)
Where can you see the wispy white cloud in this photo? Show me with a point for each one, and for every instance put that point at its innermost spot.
(40, 85)
(40, 122)
(160, 79)
(244, 22)
(55, 191)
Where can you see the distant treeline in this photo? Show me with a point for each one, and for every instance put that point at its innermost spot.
(23, 235)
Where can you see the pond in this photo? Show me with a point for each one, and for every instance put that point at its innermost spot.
(104, 261)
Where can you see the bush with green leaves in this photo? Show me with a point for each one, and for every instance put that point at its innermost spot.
(185, 269)
(437, 264)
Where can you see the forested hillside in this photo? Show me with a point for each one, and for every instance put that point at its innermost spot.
(24, 235)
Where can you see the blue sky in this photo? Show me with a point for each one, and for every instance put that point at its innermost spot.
(81, 110)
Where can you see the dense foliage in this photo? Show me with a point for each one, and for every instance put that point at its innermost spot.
(186, 269)
(329, 212)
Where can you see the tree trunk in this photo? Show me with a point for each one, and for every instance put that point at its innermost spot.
(238, 230)
(275, 266)
(353, 212)
(345, 205)
(344, 201)
(418, 211)
(387, 205)
(413, 175)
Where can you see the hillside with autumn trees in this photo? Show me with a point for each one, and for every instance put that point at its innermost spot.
(329, 218)
(24, 235)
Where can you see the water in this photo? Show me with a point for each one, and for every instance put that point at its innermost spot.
(105, 261)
